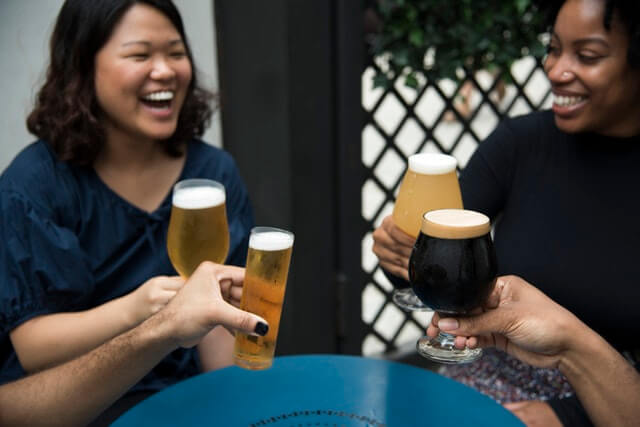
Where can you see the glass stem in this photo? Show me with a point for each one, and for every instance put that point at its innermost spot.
(446, 339)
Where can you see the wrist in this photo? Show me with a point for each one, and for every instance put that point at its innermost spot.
(582, 351)
(130, 310)
(159, 331)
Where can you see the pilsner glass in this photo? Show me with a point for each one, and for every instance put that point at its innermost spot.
(198, 229)
(430, 183)
(452, 269)
(265, 281)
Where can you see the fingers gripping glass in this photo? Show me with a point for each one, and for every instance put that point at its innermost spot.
(452, 269)
(198, 229)
(430, 183)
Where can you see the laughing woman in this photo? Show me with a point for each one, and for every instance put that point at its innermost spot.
(85, 208)
(561, 189)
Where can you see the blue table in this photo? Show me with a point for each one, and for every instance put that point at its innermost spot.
(319, 390)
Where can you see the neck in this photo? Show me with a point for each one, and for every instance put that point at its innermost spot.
(122, 151)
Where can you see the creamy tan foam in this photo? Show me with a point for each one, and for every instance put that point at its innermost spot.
(432, 163)
(271, 241)
(198, 197)
(455, 224)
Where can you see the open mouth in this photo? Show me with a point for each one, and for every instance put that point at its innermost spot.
(158, 100)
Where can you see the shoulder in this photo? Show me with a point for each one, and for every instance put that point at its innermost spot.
(207, 152)
(521, 134)
(208, 161)
(35, 175)
(32, 160)
(532, 126)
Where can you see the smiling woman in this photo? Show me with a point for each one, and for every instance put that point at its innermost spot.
(560, 188)
(593, 78)
(142, 76)
(86, 207)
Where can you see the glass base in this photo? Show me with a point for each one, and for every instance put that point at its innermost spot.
(441, 349)
(252, 363)
(406, 299)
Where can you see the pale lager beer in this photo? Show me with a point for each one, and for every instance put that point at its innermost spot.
(430, 183)
(198, 229)
(263, 293)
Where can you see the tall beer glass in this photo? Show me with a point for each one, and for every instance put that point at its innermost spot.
(452, 269)
(265, 281)
(198, 229)
(430, 183)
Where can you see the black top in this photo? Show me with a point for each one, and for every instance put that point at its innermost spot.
(565, 210)
(566, 217)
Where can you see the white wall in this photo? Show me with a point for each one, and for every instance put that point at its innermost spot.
(25, 27)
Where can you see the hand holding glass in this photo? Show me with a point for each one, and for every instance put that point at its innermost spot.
(198, 229)
(263, 291)
(430, 183)
(452, 269)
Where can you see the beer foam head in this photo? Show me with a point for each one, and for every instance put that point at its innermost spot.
(198, 197)
(432, 163)
(455, 224)
(271, 240)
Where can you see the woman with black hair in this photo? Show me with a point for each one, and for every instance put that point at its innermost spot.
(560, 187)
(85, 209)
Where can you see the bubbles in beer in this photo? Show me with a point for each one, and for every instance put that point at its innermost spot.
(432, 163)
(271, 241)
(198, 197)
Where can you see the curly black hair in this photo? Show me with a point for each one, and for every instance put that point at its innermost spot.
(66, 112)
(626, 10)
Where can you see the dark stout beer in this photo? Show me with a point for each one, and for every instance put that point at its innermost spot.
(453, 263)
(452, 270)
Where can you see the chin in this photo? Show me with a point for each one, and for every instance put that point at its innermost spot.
(570, 126)
(161, 134)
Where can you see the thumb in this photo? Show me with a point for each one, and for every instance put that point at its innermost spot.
(242, 321)
(489, 322)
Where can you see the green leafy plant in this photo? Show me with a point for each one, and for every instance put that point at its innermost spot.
(446, 39)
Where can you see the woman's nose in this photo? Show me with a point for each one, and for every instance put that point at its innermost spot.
(559, 70)
(162, 70)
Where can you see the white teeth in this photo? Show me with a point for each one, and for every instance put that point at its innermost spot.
(567, 101)
(164, 95)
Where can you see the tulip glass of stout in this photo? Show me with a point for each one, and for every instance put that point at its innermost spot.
(198, 229)
(263, 290)
(452, 269)
(430, 183)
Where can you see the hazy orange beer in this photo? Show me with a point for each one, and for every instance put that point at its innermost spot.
(198, 229)
(430, 183)
(263, 291)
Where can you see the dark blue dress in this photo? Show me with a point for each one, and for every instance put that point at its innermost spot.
(69, 243)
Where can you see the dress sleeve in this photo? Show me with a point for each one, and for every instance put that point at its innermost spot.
(42, 267)
(486, 180)
(239, 215)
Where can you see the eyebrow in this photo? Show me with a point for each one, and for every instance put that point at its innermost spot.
(586, 40)
(146, 43)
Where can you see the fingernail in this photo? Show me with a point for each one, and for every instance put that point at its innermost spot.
(448, 324)
(261, 329)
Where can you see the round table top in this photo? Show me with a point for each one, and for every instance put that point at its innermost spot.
(319, 390)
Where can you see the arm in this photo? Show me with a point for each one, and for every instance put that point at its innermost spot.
(67, 394)
(527, 324)
(52, 339)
